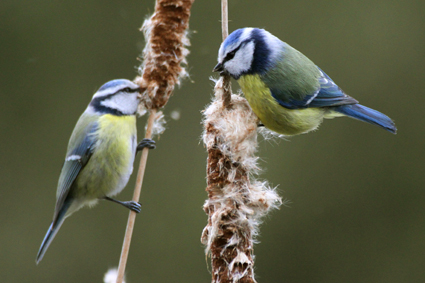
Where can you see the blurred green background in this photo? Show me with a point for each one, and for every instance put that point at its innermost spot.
(357, 192)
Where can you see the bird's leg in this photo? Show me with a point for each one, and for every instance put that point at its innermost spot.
(146, 143)
(132, 205)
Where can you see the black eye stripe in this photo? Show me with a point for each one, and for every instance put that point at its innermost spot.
(230, 55)
(102, 98)
(130, 90)
(127, 89)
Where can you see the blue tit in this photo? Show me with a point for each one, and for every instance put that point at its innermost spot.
(285, 89)
(100, 155)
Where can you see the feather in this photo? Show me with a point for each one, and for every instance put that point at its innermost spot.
(79, 153)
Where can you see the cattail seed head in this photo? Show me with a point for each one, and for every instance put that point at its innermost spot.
(236, 200)
(165, 52)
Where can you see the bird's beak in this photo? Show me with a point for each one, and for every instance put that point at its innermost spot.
(218, 68)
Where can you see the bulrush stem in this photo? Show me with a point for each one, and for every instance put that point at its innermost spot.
(161, 69)
(227, 87)
(136, 196)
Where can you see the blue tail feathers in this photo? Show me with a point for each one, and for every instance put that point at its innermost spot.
(368, 115)
(51, 233)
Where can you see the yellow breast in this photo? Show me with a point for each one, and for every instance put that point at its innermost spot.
(111, 164)
(274, 116)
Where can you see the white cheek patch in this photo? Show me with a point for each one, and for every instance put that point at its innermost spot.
(123, 102)
(242, 60)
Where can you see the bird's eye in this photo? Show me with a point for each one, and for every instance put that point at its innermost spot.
(230, 55)
(127, 89)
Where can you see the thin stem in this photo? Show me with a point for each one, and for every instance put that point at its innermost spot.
(227, 95)
(136, 196)
(224, 19)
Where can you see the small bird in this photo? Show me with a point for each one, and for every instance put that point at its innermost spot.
(285, 89)
(100, 155)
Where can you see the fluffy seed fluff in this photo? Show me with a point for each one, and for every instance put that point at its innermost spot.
(236, 200)
(111, 276)
(158, 124)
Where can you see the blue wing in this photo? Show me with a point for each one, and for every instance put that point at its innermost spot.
(328, 94)
(75, 161)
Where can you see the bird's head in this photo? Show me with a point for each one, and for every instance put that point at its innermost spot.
(247, 51)
(117, 97)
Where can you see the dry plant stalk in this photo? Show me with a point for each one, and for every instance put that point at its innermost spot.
(227, 94)
(165, 52)
(236, 201)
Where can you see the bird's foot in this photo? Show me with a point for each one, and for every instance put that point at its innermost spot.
(132, 205)
(148, 143)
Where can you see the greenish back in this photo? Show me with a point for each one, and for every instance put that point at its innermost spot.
(293, 77)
